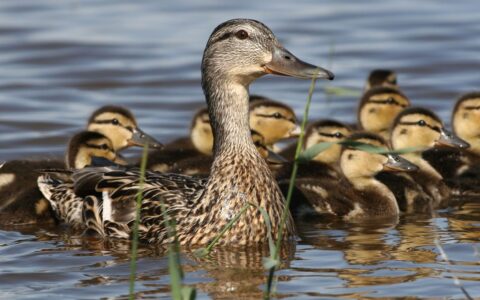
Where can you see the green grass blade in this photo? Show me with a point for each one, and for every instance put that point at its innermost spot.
(134, 249)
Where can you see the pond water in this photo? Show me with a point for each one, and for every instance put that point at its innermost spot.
(60, 60)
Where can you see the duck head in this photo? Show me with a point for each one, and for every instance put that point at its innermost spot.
(327, 131)
(420, 127)
(242, 50)
(270, 156)
(120, 126)
(85, 145)
(378, 108)
(381, 77)
(466, 120)
(275, 121)
(358, 164)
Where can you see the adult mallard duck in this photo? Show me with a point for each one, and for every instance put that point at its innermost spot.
(356, 194)
(18, 178)
(238, 52)
(273, 120)
(421, 128)
(381, 77)
(378, 108)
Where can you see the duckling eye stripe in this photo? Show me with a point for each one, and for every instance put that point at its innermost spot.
(271, 116)
(332, 135)
(110, 122)
(95, 146)
(388, 101)
(435, 128)
(472, 107)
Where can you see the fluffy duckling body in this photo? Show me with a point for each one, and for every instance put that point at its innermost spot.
(18, 178)
(381, 77)
(237, 52)
(30, 206)
(421, 128)
(356, 194)
(378, 108)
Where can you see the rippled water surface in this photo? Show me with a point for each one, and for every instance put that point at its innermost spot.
(60, 60)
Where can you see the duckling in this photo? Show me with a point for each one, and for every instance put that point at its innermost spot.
(271, 119)
(200, 165)
(319, 132)
(357, 194)
(381, 77)
(30, 206)
(378, 108)
(18, 178)
(198, 145)
(237, 52)
(420, 127)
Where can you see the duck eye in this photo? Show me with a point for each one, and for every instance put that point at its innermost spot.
(390, 100)
(115, 122)
(277, 115)
(104, 146)
(338, 135)
(241, 34)
(422, 123)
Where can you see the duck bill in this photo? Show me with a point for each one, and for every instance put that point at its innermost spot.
(295, 132)
(448, 139)
(397, 163)
(276, 159)
(286, 64)
(140, 138)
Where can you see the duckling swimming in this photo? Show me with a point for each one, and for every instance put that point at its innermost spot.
(238, 52)
(19, 190)
(381, 77)
(378, 108)
(357, 194)
(420, 127)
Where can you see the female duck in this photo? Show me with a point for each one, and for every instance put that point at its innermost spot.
(238, 52)
(421, 128)
(357, 194)
(378, 108)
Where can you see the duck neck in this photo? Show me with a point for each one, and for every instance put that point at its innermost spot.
(229, 116)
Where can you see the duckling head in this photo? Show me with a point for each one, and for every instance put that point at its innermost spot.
(241, 50)
(201, 133)
(381, 77)
(357, 164)
(466, 120)
(420, 127)
(120, 126)
(273, 120)
(267, 154)
(85, 145)
(327, 131)
(378, 108)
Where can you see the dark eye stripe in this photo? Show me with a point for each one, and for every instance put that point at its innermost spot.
(472, 107)
(388, 101)
(276, 117)
(225, 36)
(435, 128)
(129, 128)
(332, 135)
(98, 147)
